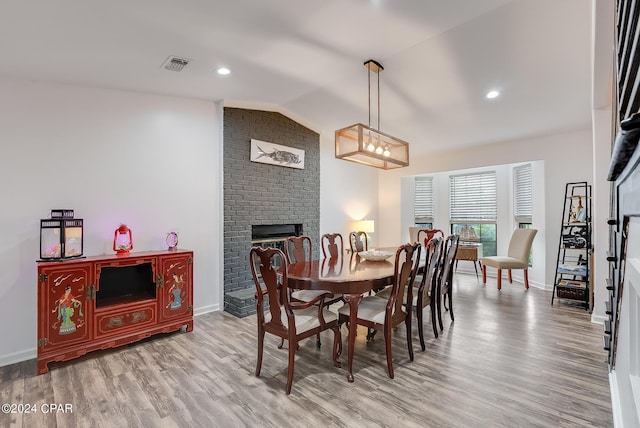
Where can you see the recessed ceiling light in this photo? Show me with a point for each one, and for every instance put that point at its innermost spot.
(492, 94)
(223, 71)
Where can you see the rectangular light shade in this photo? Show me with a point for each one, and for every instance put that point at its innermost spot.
(366, 226)
(354, 143)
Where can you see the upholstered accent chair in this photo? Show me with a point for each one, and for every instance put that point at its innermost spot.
(517, 257)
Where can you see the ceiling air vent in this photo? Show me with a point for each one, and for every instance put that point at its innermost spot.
(175, 63)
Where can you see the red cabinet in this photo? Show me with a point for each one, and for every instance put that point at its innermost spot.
(106, 301)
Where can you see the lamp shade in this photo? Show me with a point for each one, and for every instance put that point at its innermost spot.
(366, 226)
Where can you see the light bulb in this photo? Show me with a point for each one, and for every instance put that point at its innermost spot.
(371, 147)
(386, 152)
(379, 150)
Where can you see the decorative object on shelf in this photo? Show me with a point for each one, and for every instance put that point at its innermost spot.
(275, 154)
(468, 234)
(122, 240)
(573, 265)
(368, 146)
(172, 241)
(61, 236)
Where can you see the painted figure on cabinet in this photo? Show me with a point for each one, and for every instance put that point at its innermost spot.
(175, 292)
(66, 306)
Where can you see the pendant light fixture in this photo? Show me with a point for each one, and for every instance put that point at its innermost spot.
(368, 146)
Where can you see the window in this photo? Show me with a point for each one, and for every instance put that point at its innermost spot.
(473, 208)
(522, 194)
(423, 202)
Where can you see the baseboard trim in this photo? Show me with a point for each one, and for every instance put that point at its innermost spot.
(616, 408)
(18, 357)
(205, 310)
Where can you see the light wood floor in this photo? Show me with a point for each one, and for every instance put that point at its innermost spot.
(510, 359)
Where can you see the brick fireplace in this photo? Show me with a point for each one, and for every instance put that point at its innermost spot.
(258, 195)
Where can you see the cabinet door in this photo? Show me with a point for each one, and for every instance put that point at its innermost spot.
(65, 305)
(176, 290)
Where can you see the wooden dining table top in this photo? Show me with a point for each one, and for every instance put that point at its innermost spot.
(348, 274)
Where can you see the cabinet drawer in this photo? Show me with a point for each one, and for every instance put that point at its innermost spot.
(125, 319)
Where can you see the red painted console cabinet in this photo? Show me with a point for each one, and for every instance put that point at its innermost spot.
(106, 301)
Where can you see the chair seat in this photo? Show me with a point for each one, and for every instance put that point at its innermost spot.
(306, 319)
(371, 308)
(503, 262)
(309, 295)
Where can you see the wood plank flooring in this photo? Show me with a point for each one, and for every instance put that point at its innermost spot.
(510, 359)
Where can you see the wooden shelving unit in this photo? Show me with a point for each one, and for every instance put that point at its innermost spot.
(573, 264)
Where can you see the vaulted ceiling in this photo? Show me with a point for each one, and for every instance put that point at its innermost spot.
(306, 57)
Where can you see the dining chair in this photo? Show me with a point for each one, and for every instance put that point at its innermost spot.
(333, 252)
(425, 286)
(426, 292)
(358, 241)
(444, 290)
(332, 245)
(517, 257)
(300, 249)
(290, 320)
(425, 235)
(386, 314)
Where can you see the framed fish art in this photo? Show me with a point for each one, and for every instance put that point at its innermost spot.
(275, 154)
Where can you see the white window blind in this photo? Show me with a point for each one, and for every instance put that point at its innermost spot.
(473, 197)
(423, 201)
(522, 193)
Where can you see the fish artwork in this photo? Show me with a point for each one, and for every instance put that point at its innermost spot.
(280, 156)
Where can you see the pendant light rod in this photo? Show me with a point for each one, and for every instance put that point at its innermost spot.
(376, 67)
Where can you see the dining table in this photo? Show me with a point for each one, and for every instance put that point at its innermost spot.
(350, 275)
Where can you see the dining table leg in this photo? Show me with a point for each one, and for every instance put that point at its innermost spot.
(353, 300)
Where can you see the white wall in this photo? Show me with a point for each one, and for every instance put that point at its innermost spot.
(567, 157)
(348, 192)
(151, 162)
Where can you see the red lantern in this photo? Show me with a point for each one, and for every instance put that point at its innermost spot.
(122, 240)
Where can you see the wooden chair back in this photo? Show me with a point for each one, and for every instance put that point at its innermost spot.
(332, 245)
(269, 272)
(445, 277)
(429, 281)
(298, 249)
(406, 267)
(425, 235)
(358, 241)
(427, 290)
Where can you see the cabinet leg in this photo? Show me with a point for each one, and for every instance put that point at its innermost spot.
(190, 326)
(42, 367)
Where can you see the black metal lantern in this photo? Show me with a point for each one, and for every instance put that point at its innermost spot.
(61, 236)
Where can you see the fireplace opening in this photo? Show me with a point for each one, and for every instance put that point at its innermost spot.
(273, 235)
